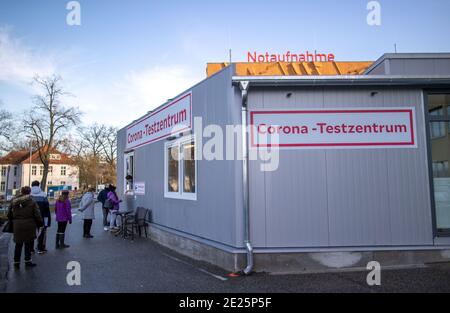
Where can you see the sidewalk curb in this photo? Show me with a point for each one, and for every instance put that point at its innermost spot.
(4, 260)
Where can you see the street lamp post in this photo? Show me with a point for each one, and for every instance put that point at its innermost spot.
(7, 182)
(29, 170)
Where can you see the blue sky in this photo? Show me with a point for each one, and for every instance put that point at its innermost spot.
(128, 57)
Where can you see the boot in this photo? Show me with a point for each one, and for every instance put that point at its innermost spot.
(63, 245)
(57, 246)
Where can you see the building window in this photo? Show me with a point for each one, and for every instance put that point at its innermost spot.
(129, 172)
(3, 170)
(15, 185)
(50, 170)
(437, 129)
(33, 170)
(180, 177)
(440, 169)
(41, 170)
(439, 119)
(15, 170)
(63, 171)
(55, 157)
(2, 186)
(50, 183)
(63, 183)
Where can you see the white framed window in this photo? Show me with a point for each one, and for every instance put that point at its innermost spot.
(41, 170)
(2, 186)
(33, 170)
(3, 170)
(15, 185)
(180, 169)
(55, 156)
(50, 170)
(15, 170)
(129, 172)
(63, 183)
(49, 183)
(63, 171)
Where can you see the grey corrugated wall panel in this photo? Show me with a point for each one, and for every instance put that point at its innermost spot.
(215, 215)
(410, 201)
(419, 66)
(370, 197)
(285, 189)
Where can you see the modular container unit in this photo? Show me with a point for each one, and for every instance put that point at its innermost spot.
(327, 204)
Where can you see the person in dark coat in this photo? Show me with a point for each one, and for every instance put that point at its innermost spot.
(102, 196)
(42, 201)
(26, 219)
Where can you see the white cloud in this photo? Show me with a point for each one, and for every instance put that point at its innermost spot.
(108, 100)
(145, 90)
(136, 94)
(155, 86)
(18, 63)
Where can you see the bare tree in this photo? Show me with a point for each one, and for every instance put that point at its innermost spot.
(48, 118)
(91, 138)
(6, 129)
(109, 145)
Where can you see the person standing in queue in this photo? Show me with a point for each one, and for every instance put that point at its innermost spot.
(113, 202)
(63, 211)
(26, 218)
(41, 199)
(102, 196)
(87, 207)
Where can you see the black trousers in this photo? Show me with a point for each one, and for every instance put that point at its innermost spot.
(105, 217)
(61, 227)
(87, 227)
(18, 251)
(42, 238)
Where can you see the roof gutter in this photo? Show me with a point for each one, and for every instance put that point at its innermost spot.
(345, 80)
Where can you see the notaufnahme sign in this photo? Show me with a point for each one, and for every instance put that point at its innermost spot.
(167, 121)
(334, 128)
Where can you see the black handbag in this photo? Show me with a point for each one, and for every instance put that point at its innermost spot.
(8, 228)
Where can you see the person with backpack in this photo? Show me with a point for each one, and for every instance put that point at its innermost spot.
(112, 203)
(87, 207)
(26, 218)
(63, 211)
(102, 196)
(41, 199)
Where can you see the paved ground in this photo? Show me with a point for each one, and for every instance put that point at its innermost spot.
(4, 240)
(112, 264)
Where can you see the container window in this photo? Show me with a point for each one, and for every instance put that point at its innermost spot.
(129, 173)
(180, 169)
(172, 155)
(189, 167)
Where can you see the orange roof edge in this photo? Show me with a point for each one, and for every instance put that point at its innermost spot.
(293, 68)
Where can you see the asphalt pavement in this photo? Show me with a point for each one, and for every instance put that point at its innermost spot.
(113, 264)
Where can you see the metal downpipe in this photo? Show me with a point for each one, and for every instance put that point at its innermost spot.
(246, 203)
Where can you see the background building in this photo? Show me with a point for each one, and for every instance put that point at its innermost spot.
(18, 169)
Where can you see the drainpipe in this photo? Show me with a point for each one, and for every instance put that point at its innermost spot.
(243, 85)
